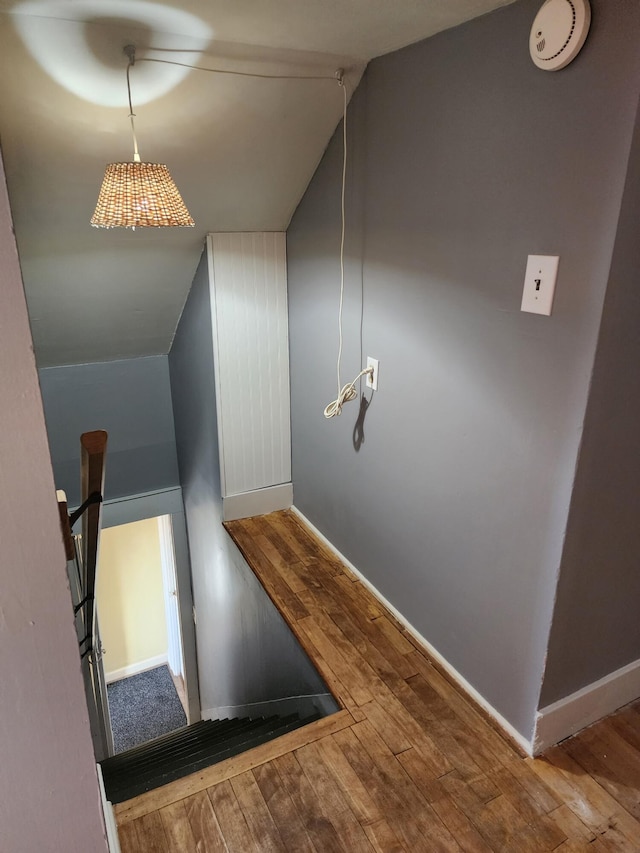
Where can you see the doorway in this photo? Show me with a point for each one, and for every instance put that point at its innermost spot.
(140, 627)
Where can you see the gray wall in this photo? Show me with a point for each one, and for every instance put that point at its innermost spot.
(131, 399)
(464, 159)
(246, 652)
(49, 797)
(596, 624)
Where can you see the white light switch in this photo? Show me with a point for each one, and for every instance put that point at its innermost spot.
(539, 283)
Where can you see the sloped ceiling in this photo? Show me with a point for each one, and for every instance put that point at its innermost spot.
(241, 149)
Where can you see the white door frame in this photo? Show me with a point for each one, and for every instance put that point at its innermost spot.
(151, 505)
(175, 654)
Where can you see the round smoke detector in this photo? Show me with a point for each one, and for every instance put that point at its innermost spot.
(558, 33)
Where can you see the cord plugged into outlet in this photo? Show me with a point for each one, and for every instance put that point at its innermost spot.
(372, 373)
(349, 392)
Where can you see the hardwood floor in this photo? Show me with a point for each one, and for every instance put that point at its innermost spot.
(408, 764)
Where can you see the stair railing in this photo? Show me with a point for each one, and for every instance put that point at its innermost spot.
(82, 556)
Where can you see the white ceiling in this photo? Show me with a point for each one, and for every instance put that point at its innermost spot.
(241, 150)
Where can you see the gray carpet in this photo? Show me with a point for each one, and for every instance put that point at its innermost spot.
(142, 707)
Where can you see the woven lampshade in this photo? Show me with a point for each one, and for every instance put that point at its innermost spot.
(139, 195)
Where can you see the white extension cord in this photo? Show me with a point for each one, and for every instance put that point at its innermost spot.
(345, 392)
(348, 392)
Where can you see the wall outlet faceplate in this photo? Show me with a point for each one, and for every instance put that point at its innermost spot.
(371, 380)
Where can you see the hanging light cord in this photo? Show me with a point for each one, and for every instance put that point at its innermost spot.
(240, 73)
(136, 154)
(130, 51)
(349, 391)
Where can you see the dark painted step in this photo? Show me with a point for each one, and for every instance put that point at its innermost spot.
(161, 740)
(177, 740)
(185, 744)
(254, 733)
(183, 753)
(187, 751)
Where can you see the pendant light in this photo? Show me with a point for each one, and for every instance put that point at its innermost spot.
(137, 194)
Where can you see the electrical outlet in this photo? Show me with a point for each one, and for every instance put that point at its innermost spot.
(372, 378)
(539, 284)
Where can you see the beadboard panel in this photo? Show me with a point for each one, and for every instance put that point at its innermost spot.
(251, 354)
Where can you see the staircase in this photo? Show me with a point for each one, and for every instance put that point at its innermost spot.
(188, 750)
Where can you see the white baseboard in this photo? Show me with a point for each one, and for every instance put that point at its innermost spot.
(303, 705)
(135, 668)
(257, 502)
(460, 680)
(587, 705)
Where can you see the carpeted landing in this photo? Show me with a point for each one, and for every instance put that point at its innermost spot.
(143, 707)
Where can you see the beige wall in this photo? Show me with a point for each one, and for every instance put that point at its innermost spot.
(130, 595)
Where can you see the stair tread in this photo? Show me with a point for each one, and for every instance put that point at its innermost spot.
(133, 789)
(122, 785)
(179, 747)
(192, 751)
(205, 729)
(166, 738)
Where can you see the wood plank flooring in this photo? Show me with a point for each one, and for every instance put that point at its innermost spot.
(408, 764)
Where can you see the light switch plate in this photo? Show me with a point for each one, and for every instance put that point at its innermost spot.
(539, 284)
